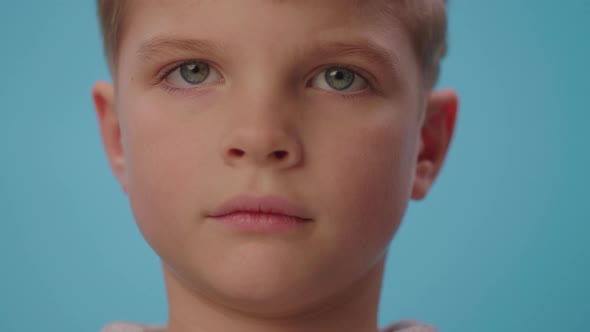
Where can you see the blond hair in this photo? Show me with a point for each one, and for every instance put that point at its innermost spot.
(425, 20)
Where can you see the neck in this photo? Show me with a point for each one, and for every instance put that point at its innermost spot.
(354, 310)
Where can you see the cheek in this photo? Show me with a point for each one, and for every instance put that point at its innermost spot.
(165, 165)
(370, 170)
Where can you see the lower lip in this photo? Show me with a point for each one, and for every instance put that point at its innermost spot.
(261, 222)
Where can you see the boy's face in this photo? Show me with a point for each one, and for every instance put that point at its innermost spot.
(318, 102)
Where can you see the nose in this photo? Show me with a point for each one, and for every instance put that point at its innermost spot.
(262, 142)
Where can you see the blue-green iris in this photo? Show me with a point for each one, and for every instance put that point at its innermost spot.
(194, 72)
(339, 78)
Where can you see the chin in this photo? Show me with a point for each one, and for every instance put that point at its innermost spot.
(265, 280)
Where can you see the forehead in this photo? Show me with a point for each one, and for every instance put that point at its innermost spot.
(276, 19)
(388, 13)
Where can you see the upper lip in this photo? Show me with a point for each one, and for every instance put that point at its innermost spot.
(269, 204)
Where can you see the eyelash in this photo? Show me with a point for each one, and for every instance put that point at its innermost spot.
(184, 91)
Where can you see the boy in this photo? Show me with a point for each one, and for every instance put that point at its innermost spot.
(269, 149)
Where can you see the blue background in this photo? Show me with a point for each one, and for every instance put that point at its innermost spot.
(501, 244)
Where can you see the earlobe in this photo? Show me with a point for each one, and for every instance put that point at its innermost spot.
(435, 136)
(109, 123)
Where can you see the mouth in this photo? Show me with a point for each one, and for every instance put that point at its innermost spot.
(260, 214)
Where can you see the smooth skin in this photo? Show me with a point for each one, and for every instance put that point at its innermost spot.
(265, 121)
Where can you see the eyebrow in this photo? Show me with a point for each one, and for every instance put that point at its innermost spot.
(165, 45)
(363, 48)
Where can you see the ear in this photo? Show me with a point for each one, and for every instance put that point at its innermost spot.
(436, 133)
(104, 102)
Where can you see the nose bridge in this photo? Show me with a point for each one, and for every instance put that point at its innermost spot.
(263, 129)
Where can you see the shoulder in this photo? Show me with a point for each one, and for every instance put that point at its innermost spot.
(402, 326)
(410, 326)
(132, 327)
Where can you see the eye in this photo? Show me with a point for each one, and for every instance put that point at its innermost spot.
(191, 74)
(339, 79)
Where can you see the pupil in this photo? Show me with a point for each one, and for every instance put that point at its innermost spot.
(339, 75)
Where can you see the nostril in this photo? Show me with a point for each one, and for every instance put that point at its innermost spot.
(280, 154)
(236, 153)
